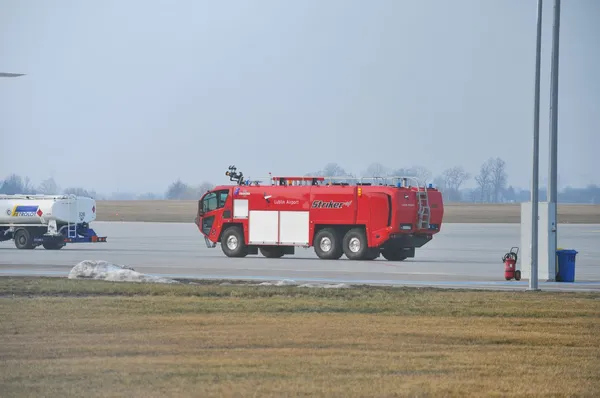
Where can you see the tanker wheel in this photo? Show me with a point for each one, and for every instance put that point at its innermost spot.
(517, 275)
(53, 245)
(271, 252)
(23, 239)
(328, 245)
(355, 244)
(232, 242)
(393, 254)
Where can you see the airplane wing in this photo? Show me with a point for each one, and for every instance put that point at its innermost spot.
(5, 74)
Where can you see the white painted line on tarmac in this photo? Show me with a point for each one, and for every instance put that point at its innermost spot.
(342, 271)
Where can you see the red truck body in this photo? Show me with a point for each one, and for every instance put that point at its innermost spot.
(358, 220)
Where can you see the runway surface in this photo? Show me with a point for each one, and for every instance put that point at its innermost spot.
(461, 256)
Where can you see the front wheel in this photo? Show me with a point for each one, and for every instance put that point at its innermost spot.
(232, 242)
(394, 255)
(372, 253)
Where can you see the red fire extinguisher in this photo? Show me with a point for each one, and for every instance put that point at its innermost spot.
(510, 265)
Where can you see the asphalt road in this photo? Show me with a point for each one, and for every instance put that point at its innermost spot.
(461, 256)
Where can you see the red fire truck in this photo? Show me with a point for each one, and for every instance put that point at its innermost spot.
(358, 219)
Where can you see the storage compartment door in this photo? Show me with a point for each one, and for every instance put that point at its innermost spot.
(263, 227)
(293, 228)
(240, 208)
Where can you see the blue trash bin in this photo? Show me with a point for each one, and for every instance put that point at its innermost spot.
(566, 265)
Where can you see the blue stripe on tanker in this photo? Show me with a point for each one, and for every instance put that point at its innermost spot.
(18, 210)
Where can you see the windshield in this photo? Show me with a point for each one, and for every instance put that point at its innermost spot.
(214, 200)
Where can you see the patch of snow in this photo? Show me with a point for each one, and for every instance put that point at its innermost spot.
(327, 286)
(290, 282)
(284, 282)
(104, 270)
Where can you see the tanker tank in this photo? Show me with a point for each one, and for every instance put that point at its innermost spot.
(47, 220)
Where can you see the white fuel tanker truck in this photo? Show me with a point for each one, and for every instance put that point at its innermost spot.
(47, 220)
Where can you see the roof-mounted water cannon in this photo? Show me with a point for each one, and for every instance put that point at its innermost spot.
(234, 175)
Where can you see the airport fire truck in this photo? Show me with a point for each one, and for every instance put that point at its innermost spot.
(361, 218)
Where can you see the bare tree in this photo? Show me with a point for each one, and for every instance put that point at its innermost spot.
(422, 173)
(334, 170)
(376, 170)
(14, 184)
(78, 191)
(404, 172)
(440, 184)
(203, 188)
(454, 177)
(49, 187)
(484, 180)
(331, 170)
(177, 190)
(498, 177)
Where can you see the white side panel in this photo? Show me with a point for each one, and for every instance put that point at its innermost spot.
(525, 249)
(545, 271)
(263, 227)
(293, 227)
(240, 208)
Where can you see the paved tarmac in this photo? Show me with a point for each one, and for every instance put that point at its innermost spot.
(461, 256)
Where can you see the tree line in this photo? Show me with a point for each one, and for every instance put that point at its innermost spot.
(491, 185)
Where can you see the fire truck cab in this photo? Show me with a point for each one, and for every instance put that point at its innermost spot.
(359, 219)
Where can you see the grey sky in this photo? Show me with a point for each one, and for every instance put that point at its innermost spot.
(130, 95)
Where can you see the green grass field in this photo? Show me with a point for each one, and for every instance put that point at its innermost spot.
(89, 338)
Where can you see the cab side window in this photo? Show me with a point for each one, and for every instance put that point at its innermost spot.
(222, 198)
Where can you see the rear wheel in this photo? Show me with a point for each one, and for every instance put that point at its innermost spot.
(517, 275)
(232, 242)
(328, 245)
(355, 244)
(23, 239)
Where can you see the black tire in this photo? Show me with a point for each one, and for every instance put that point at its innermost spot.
(355, 244)
(372, 253)
(23, 239)
(517, 275)
(328, 245)
(394, 254)
(271, 252)
(53, 245)
(232, 242)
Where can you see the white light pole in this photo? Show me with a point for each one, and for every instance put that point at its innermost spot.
(553, 155)
(533, 279)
